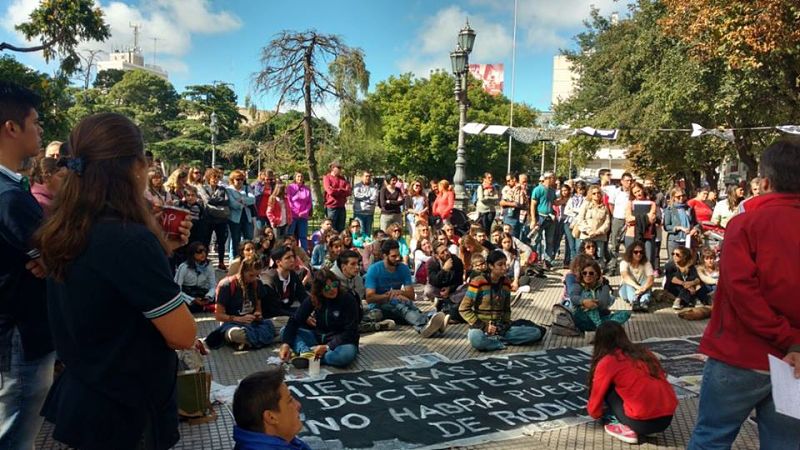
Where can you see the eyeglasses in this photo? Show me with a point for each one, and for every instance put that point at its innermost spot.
(676, 254)
(637, 252)
(588, 273)
(199, 250)
(330, 286)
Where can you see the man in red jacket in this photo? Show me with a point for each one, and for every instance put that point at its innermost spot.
(337, 189)
(756, 312)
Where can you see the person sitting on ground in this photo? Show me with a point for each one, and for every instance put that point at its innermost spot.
(476, 268)
(682, 280)
(573, 276)
(441, 237)
(589, 248)
(390, 289)
(422, 255)
(197, 278)
(512, 261)
(47, 180)
(395, 232)
(264, 246)
(628, 388)
(239, 309)
(347, 240)
(482, 237)
(421, 231)
(267, 415)
(708, 272)
(284, 289)
(637, 277)
(334, 248)
(347, 271)
(321, 250)
(246, 250)
(302, 261)
(372, 251)
(317, 236)
(470, 246)
(334, 337)
(445, 281)
(525, 251)
(486, 307)
(591, 299)
(357, 235)
(450, 230)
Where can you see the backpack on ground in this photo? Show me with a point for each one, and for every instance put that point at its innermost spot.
(563, 322)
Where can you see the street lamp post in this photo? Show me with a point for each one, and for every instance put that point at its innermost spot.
(459, 59)
(214, 129)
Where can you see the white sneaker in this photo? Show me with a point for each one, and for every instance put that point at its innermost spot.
(433, 325)
(237, 336)
(385, 325)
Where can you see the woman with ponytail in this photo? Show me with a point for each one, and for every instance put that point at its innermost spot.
(116, 314)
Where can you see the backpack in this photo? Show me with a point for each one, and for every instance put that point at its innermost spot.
(421, 276)
(563, 322)
(474, 199)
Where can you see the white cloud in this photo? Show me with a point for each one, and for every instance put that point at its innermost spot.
(542, 25)
(172, 22)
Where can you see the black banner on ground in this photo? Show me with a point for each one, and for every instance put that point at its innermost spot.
(445, 403)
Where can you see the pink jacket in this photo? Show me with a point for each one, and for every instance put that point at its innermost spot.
(299, 200)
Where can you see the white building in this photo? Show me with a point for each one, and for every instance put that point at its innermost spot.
(564, 80)
(131, 59)
(614, 158)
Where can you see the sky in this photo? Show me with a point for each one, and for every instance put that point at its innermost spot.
(200, 41)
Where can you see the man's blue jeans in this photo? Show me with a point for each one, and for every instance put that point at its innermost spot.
(23, 389)
(299, 229)
(366, 222)
(545, 240)
(340, 356)
(515, 335)
(727, 396)
(404, 311)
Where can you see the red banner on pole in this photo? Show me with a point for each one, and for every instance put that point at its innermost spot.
(491, 75)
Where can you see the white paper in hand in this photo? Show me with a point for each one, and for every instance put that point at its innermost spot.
(785, 388)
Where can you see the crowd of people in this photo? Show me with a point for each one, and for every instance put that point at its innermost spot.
(83, 243)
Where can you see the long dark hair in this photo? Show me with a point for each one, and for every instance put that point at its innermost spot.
(610, 337)
(318, 284)
(191, 250)
(628, 257)
(110, 147)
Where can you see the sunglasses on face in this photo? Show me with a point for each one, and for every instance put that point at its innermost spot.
(587, 273)
(637, 252)
(330, 286)
(676, 254)
(199, 250)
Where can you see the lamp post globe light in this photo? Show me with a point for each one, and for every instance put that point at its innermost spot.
(213, 127)
(459, 59)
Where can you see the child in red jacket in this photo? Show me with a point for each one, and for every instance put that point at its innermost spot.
(628, 382)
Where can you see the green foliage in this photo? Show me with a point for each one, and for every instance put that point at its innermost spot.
(199, 101)
(149, 100)
(106, 79)
(60, 25)
(419, 127)
(53, 91)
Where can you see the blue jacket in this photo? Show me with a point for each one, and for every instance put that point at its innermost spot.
(249, 440)
(234, 198)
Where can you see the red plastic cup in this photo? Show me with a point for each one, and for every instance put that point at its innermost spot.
(171, 218)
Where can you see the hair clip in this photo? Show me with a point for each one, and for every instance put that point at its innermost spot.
(75, 164)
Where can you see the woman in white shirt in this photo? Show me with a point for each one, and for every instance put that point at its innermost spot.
(727, 208)
(637, 277)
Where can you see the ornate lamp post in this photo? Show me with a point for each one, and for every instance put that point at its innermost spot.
(459, 59)
(213, 127)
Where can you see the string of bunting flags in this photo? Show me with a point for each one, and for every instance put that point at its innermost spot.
(531, 135)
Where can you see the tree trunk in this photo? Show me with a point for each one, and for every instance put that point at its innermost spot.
(313, 172)
(743, 149)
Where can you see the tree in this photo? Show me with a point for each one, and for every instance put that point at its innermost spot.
(88, 66)
(419, 127)
(199, 101)
(754, 46)
(60, 25)
(53, 91)
(295, 69)
(106, 79)
(632, 75)
(149, 100)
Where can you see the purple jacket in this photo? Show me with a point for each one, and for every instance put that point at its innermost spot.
(299, 200)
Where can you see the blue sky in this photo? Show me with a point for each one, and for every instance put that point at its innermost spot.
(200, 41)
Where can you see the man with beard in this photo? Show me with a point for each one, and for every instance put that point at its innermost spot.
(445, 281)
(389, 289)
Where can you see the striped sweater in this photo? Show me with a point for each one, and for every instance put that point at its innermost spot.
(485, 302)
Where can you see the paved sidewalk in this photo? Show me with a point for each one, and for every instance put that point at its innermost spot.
(381, 350)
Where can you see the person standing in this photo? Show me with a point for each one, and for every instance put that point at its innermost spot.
(513, 202)
(26, 348)
(445, 202)
(756, 312)
(299, 197)
(390, 200)
(215, 198)
(524, 220)
(261, 190)
(618, 205)
(239, 201)
(365, 198)
(543, 218)
(337, 189)
(117, 389)
(279, 211)
(486, 206)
